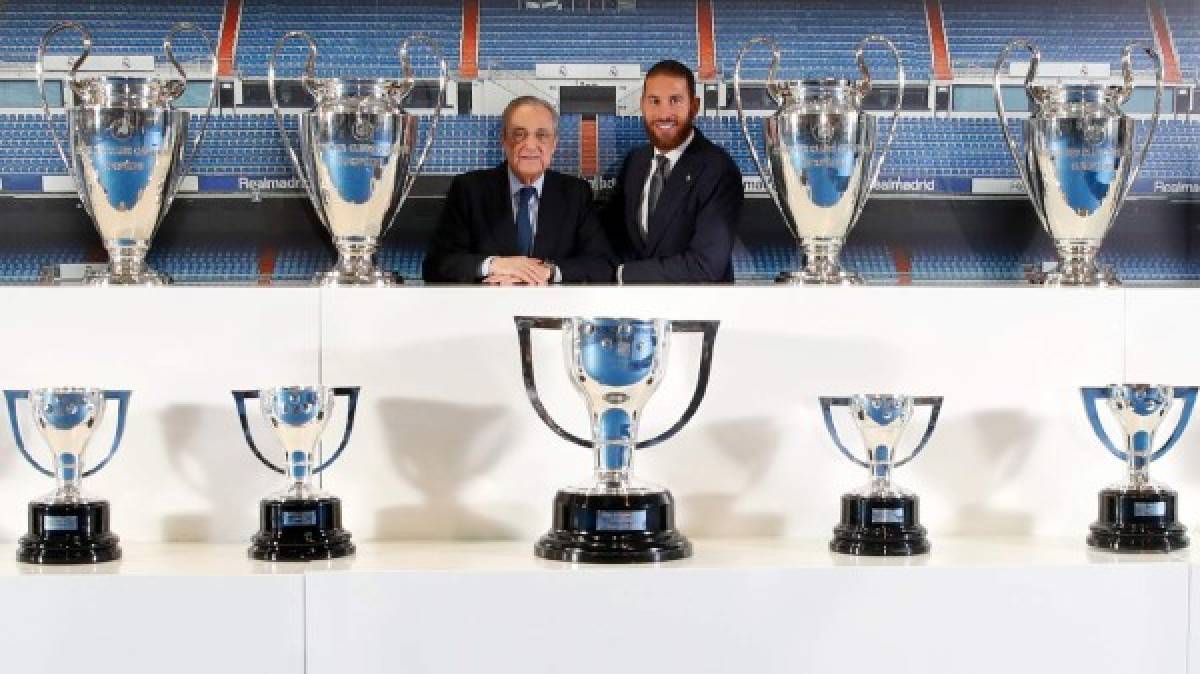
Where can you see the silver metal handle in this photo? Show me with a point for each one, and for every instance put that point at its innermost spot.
(864, 87)
(168, 49)
(409, 80)
(86, 38)
(1035, 59)
(309, 80)
(1127, 91)
(737, 100)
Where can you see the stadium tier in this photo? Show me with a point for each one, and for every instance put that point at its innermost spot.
(1184, 18)
(817, 37)
(976, 30)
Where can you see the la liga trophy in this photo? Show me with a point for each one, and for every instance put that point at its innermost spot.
(1138, 514)
(68, 526)
(1077, 162)
(616, 364)
(355, 150)
(821, 164)
(125, 151)
(880, 518)
(299, 522)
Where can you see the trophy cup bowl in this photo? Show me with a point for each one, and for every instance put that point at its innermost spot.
(820, 147)
(125, 152)
(66, 526)
(1138, 514)
(355, 150)
(299, 522)
(1077, 164)
(880, 519)
(616, 364)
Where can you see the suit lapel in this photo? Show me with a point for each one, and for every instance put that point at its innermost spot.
(549, 218)
(679, 184)
(499, 208)
(635, 180)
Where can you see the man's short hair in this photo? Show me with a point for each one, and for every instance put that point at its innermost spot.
(674, 68)
(520, 101)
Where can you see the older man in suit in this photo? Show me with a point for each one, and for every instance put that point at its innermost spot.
(520, 223)
(678, 198)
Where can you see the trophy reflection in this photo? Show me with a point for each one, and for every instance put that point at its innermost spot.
(1077, 164)
(880, 519)
(125, 151)
(1138, 514)
(67, 526)
(299, 522)
(616, 364)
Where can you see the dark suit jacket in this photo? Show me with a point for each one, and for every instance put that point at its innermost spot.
(477, 222)
(691, 232)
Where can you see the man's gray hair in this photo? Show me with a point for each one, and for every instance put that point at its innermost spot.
(522, 101)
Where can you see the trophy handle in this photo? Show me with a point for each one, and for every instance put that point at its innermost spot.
(309, 80)
(239, 401)
(411, 179)
(935, 408)
(122, 397)
(709, 330)
(86, 38)
(1127, 90)
(180, 27)
(737, 99)
(525, 324)
(827, 404)
(350, 393)
(864, 87)
(1034, 60)
(1093, 394)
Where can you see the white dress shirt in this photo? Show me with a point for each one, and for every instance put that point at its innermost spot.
(514, 191)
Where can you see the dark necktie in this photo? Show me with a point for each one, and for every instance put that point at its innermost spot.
(661, 171)
(525, 221)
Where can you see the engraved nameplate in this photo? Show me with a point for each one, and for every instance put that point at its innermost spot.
(60, 522)
(1150, 509)
(620, 520)
(887, 515)
(304, 518)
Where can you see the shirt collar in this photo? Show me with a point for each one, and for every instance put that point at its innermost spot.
(674, 155)
(515, 184)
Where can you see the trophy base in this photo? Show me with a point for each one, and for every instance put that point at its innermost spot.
(1137, 522)
(879, 526)
(108, 277)
(299, 530)
(68, 533)
(1097, 277)
(804, 278)
(613, 529)
(374, 278)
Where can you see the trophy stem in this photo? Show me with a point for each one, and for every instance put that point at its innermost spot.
(67, 478)
(821, 266)
(299, 471)
(1077, 265)
(127, 265)
(1138, 458)
(356, 264)
(613, 443)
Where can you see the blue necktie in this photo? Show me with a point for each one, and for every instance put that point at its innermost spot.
(525, 221)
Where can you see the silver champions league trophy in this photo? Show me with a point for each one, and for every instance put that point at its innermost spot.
(616, 364)
(355, 147)
(299, 522)
(880, 519)
(67, 526)
(125, 152)
(1077, 164)
(1138, 514)
(821, 162)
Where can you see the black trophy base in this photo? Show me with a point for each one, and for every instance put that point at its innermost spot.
(879, 527)
(1137, 522)
(613, 529)
(300, 530)
(68, 533)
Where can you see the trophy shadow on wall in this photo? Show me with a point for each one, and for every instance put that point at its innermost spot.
(439, 448)
(210, 470)
(1005, 438)
(751, 444)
